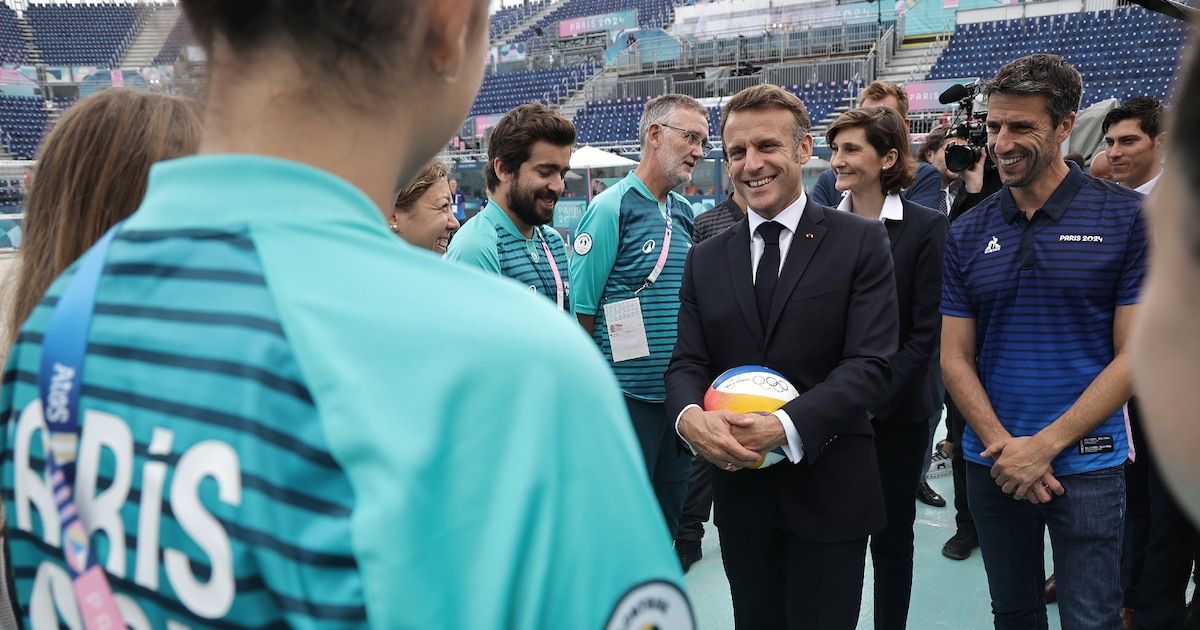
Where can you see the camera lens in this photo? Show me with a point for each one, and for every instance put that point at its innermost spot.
(960, 157)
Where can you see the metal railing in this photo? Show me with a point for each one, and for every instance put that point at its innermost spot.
(834, 71)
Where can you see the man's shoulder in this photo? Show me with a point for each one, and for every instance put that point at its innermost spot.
(1111, 192)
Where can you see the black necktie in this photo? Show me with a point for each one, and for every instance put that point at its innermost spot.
(767, 274)
(944, 202)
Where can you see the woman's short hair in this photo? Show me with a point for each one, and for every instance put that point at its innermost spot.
(435, 170)
(885, 130)
(91, 174)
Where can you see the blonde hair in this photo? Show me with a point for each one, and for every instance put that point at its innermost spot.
(435, 170)
(91, 174)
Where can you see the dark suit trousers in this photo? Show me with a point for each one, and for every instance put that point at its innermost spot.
(697, 505)
(667, 463)
(1137, 512)
(779, 582)
(900, 450)
(1170, 550)
(956, 424)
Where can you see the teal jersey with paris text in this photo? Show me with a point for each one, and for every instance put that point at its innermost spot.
(617, 246)
(291, 418)
(492, 242)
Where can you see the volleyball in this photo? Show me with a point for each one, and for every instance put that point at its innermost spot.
(751, 389)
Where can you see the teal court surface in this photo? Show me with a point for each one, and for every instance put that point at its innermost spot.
(946, 593)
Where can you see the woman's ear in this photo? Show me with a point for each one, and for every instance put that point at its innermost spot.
(449, 35)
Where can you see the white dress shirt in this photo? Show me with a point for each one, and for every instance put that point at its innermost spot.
(893, 208)
(1149, 186)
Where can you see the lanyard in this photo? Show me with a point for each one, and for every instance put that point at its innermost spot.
(662, 254)
(59, 382)
(558, 281)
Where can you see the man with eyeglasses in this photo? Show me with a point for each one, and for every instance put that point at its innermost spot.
(626, 269)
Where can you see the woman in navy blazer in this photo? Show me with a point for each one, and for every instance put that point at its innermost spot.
(872, 161)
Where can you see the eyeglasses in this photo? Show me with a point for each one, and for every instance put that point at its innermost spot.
(693, 139)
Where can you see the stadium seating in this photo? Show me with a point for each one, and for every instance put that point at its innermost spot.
(1121, 54)
(180, 35)
(651, 14)
(23, 119)
(509, 17)
(502, 92)
(94, 35)
(615, 121)
(12, 49)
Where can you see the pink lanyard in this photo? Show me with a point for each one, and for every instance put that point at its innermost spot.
(558, 282)
(662, 254)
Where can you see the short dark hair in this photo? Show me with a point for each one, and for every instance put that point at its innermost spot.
(1042, 75)
(349, 42)
(766, 96)
(1147, 110)
(885, 129)
(517, 132)
(879, 90)
(933, 141)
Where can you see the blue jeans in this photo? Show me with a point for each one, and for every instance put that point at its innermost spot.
(1085, 531)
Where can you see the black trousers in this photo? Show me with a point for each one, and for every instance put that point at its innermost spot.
(779, 582)
(1171, 545)
(957, 423)
(697, 505)
(1137, 512)
(900, 450)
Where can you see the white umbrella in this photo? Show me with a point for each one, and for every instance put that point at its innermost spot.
(590, 157)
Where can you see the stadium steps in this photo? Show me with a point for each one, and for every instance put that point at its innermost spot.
(529, 20)
(150, 40)
(33, 52)
(912, 63)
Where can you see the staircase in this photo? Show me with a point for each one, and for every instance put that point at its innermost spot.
(31, 51)
(906, 65)
(528, 21)
(155, 31)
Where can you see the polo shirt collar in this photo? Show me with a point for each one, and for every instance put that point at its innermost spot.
(205, 190)
(1056, 205)
(501, 218)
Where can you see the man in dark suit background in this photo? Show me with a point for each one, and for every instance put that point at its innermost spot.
(824, 314)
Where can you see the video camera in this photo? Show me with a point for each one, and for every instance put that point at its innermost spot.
(969, 126)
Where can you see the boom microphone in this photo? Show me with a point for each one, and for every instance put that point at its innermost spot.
(954, 94)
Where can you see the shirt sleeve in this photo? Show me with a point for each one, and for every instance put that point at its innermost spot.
(926, 188)
(954, 292)
(1133, 271)
(825, 191)
(475, 245)
(594, 251)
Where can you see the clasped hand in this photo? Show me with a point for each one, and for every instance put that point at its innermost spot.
(1022, 468)
(729, 440)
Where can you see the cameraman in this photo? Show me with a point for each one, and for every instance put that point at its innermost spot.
(969, 188)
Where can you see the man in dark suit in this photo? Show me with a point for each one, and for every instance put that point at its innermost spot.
(824, 314)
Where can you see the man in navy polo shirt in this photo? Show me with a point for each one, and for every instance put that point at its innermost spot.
(1041, 286)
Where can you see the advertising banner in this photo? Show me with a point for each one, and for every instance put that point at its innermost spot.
(923, 95)
(596, 23)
